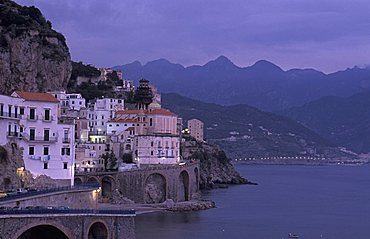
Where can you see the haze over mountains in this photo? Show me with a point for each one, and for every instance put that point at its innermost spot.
(244, 131)
(263, 85)
(343, 121)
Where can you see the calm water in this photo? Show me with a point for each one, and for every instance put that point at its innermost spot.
(312, 201)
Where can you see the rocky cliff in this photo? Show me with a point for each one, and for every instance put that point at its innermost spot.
(215, 167)
(10, 160)
(33, 57)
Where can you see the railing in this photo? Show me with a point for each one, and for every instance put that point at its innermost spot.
(41, 139)
(49, 119)
(50, 190)
(10, 115)
(14, 134)
(66, 140)
(97, 133)
(45, 210)
(34, 118)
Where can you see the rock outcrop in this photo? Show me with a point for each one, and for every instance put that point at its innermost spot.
(215, 167)
(33, 57)
(10, 160)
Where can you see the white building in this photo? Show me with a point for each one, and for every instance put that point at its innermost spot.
(196, 129)
(100, 112)
(31, 121)
(151, 134)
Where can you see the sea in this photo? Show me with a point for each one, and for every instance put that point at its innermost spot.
(312, 202)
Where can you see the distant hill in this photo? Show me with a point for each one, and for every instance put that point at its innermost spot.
(345, 121)
(244, 131)
(263, 85)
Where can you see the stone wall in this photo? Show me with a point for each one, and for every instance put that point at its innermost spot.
(73, 199)
(153, 184)
(73, 226)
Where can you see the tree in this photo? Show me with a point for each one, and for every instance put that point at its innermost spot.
(110, 161)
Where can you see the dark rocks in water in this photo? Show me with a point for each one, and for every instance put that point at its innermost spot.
(215, 167)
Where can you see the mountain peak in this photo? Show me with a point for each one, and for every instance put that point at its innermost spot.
(220, 61)
(265, 65)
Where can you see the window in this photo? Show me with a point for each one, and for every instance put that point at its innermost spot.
(31, 150)
(46, 150)
(10, 111)
(32, 113)
(65, 165)
(102, 117)
(150, 122)
(46, 134)
(21, 110)
(151, 153)
(47, 114)
(152, 143)
(32, 134)
(45, 165)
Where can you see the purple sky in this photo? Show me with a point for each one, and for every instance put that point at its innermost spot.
(328, 35)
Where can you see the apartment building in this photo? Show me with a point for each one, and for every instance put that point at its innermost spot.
(31, 120)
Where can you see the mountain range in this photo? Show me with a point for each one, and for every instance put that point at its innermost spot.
(244, 131)
(263, 85)
(342, 120)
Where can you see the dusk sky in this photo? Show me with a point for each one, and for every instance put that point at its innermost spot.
(328, 35)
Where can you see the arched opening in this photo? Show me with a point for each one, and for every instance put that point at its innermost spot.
(98, 231)
(77, 181)
(92, 180)
(128, 147)
(196, 172)
(155, 188)
(183, 194)
(43, 232)
(107, 187)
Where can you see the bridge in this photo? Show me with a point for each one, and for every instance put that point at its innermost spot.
(149, 184)
(66, 224)
(80, 196)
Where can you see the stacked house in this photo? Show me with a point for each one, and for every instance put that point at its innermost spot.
(32, 121)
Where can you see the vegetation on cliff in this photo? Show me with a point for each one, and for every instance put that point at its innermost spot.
(215, 166)
(33, 56)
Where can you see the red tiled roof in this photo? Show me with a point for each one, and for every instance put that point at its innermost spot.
(128, 111)
(124, 120)
(161, 112)
(33, 96)
(130, 128)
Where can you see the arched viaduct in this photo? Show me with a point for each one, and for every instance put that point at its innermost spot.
(150, 184)
(73, 226)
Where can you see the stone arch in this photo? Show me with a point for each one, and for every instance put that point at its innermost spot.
(43, 231)
(155, 190)
(98, 229)
(77, 181)
(107, 186)
(92, 179)
(196, 172)
(183, 189)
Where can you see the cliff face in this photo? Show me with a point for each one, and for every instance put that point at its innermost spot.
(10, 160)
(215, 167)
(33, 57)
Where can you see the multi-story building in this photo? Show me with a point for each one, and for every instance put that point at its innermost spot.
(196, 129)
(31, 120)
(100, 112)
(152, 135)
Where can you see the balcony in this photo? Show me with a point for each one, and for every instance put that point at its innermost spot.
(97, 133)
(40, 139)
(6, 115)
(14, 135)
(43, 158)
(66, 140)
(48, 119)
(33, 118)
